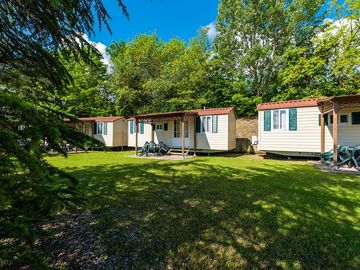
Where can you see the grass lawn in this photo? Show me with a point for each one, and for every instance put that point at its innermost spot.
(209, 212)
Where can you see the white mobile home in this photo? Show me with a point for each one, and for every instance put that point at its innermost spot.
(203, 130)
(110, 130)
(310, 126)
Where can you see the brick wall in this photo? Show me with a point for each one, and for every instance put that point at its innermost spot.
(246, 127)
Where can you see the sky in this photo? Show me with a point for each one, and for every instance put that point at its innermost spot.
(168, 18)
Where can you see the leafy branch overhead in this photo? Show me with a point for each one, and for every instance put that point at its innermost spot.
(38, 39)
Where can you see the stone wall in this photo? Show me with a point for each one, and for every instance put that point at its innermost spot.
(246, 127)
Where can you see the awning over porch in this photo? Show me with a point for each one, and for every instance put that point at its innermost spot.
(335, 105)
(167, 116)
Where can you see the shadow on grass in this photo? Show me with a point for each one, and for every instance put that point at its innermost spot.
(193, 214)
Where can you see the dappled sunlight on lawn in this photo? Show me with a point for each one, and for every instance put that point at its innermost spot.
(218, 212)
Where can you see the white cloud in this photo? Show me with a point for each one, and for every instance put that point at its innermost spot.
(102, 49)
(335, 25)
(211, 30)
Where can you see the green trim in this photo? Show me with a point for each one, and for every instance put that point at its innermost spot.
(267, 120)
(293, 119)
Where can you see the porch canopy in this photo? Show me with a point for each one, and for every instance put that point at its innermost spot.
(335, 105)
(166, 116)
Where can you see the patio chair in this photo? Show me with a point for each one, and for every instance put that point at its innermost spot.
(344, 155)
(356, 157)
(163, 148)
(327, 157)
(153, 148)
(144, 150)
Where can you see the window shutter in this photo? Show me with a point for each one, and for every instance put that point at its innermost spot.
(293, 119)
(105, 128)
(95, 131)
(355, 118)
(165, 126)
(215, 124)
(267, 120)
(141, 125)
(198, 124)
(132, 127)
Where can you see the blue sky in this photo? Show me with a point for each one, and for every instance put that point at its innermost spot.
(168, 18)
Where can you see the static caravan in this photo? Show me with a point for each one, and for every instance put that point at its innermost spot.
(110, 130)
(205, 130)
(308, 127)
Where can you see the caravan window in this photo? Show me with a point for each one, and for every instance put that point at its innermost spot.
(344, 119)
(131, 126)
(186, 129)
(205, 124)
(101, 128)
(279, 120)
(176, 129)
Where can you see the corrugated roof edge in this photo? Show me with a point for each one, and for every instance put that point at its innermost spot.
(99, 119)
(300, 103)
(201, 112)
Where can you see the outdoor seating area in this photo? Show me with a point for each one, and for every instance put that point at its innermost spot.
(160, 149)
(346, 156)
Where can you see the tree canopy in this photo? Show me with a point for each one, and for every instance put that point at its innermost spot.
(33, 79)
(153, 76)
(251, 41)
(328, 63)
(89, 93)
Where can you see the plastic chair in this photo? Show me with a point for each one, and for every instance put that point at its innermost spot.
(344, 155)
(145, 149)
(153, 147)
(356, 157)
(163, 148)
(327, 157)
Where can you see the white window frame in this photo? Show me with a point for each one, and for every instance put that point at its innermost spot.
(279, 123)
(206, 124)
(348, 119)
(102, 129)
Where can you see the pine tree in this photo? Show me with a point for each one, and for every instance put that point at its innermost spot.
(32, 77)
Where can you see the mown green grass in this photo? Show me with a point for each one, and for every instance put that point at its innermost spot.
(220, 212)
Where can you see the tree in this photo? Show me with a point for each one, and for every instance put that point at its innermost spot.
(32, 77)
(89, 93)
(153, 76)
(329, 63)
(252, 37)
(115, 48)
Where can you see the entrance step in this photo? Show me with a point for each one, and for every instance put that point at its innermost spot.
(178, 151)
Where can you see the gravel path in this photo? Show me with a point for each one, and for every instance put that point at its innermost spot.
(74, 244)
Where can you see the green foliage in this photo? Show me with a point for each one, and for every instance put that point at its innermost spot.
(89, 93)
(251, 41)
(33, 79)
(153, 76)
(115, 48)
(30, 188)
(328, 64)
